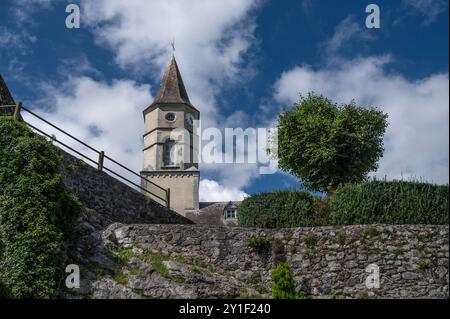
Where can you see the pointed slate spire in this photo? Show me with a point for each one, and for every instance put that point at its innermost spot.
(171, 89)
(5, 96)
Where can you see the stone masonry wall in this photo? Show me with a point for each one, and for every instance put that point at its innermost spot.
(208, 261)
(111, 199)
(164, 257)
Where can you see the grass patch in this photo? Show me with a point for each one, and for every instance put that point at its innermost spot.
(310, 241)
(136, 272)
(123, 255)
(293, 249)
(120, 278)
(423, 265)
(157, 261)
(341, 239)
(259, 243)
(371, 232)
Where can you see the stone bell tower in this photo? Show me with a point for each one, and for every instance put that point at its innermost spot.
(171, 142)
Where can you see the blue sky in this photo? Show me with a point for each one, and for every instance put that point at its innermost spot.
(243, 61)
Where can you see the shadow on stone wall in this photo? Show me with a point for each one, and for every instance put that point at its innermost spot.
(111, 199)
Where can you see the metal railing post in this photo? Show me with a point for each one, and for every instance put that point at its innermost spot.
(101, 156)
(168, 198)
(101, 159)
(17, 111)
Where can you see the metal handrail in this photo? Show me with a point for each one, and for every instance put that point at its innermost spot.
(126, 179)
(56, 140)
(62, 131)
(101, 154)
(129, 170)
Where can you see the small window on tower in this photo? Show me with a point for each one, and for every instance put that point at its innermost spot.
(170, 117)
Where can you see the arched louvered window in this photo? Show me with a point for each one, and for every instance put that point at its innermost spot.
(168, 153)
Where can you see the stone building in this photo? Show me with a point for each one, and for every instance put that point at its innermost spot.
(170, 140)
(215, 213)
(171, 155)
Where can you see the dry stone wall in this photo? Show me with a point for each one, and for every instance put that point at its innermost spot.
(198, 261)
(165, 257)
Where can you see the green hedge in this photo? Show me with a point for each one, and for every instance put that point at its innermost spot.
(396, 202)
(277, 209)
(36, 213)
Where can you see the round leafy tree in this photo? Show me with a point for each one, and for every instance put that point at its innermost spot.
(326, 144)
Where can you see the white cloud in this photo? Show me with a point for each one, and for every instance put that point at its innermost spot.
(307, 6)
(16, 41)
(8, 38)
(348, 29)
(211, 191)
(429, 9)
(210, 37)
(107, 116)
(416, 140)
(232, 175)
(23, 9)
(78, 66)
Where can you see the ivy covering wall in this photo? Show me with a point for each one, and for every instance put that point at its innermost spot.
(37, 213)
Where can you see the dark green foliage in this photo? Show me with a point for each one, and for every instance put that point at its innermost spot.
(277, 209)
(36, 213)
(397, 202)
(4, 292)
(259, 243)
(325, 144)
(322, 211)
(283, 283)
(374, 202)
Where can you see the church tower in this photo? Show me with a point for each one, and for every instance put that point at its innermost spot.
(171, 142)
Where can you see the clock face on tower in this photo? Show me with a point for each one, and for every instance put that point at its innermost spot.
(190, 119)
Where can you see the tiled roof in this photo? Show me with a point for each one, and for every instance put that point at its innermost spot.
(171, 89)
(212, 213)
(216, 207)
